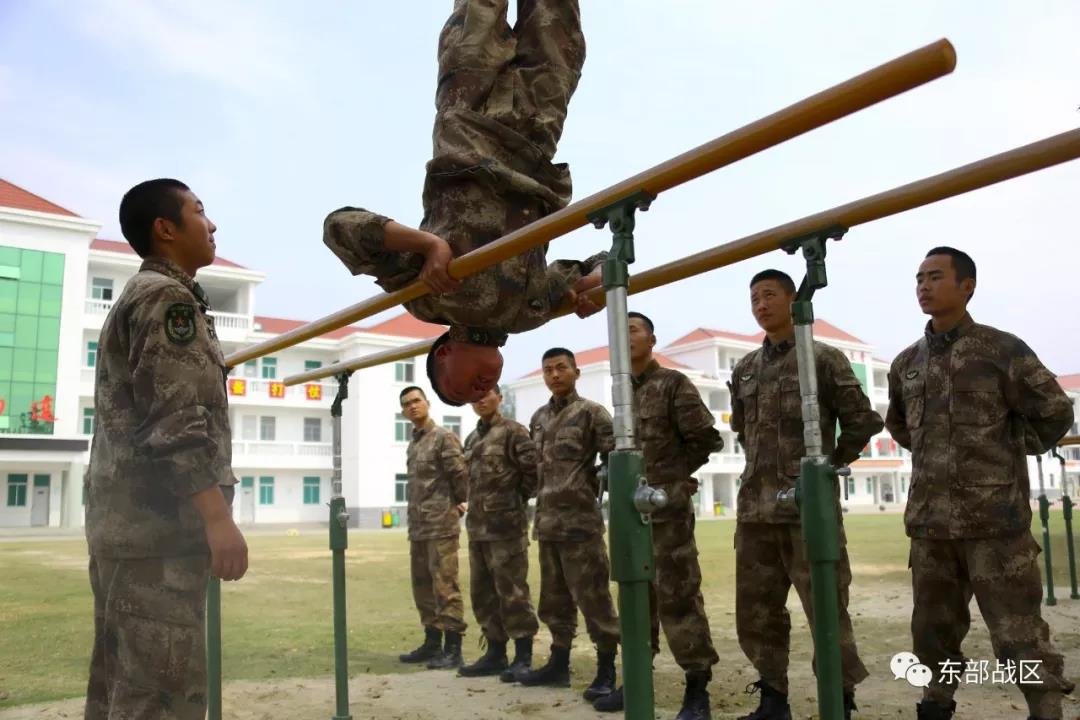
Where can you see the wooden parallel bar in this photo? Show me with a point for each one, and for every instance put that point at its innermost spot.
(862, 91)
(989, 171)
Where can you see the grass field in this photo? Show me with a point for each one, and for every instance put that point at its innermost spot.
(277, 620)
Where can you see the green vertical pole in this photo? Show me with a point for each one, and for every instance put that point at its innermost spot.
(816, 489)
(1044, 516)
(630, 499)
(339, 541)
(213, 649)
(1066, 508)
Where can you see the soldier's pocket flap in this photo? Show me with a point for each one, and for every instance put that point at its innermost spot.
(977, 401)
(789, 384)
(569, 443)
(504, 501)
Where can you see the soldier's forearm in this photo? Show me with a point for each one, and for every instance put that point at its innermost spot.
(402, 238)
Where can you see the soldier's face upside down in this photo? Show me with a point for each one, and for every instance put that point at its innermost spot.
(465, 372)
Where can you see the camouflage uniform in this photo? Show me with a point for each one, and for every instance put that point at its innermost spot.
(677, 434)
(969, 404)
(162, 435)
(502, 477)
(438, 483)
(766, 414)
(570, 432)
(500, 106)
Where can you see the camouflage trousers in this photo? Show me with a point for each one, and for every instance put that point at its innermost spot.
(675, 596)
(1003, 575)
(769, 559)
(149, 655)
(434, 567)
(499, 589)
(575, 574)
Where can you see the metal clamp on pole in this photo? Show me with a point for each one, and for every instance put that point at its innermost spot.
(1044, 516)
(1066, 512)
(630, 533)
(815, 491)
(339, 541)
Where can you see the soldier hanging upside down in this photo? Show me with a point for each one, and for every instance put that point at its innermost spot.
(501, 103)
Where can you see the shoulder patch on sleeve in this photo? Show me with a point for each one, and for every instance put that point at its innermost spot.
(180, 323)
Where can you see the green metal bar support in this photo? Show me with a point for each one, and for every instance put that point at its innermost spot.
(1066, 512)
(630, 498)
(213, 649)
(339, 541)
(1044, 516)
(815, 491)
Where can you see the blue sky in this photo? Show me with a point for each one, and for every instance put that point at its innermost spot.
(277, 113)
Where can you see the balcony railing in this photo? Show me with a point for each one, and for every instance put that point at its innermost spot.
(222, 320)
(281, 449)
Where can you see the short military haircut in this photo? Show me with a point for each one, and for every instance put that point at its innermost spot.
(433, 369)
(560, 352)
(962, 263)
(779, 276)
(644, 319)
(145, 203)
(411, 388)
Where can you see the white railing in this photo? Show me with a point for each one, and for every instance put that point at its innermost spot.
(222, 320)
(279, 449)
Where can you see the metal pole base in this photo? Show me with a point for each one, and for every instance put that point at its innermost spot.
(213, 649)
(339, 541)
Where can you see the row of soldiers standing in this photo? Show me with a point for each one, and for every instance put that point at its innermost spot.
(967, 399)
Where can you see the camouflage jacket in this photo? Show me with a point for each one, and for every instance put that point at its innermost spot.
(513, 296)
(502, 477)
(766, 415)
(570, 433)
(161, 419)
(970, 403)
(677, 434)
(438, 483)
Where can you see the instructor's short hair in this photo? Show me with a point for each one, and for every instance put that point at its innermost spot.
(779, 276)
(145, 203)
(644, 319)
(560, 352)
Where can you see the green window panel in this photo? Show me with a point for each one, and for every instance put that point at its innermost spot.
(91, 354)
(48, 334)
(29, 298)
(860, 372)
(16, 490)
(22, 394)
(26, 331)
(269, 368)
(7, 322)
(22, 366)
(247, 482)
(10, 272)
(88, 421)
(45, 366)
(52, 269)
(9, 256)
(6, 355)
(869, 486)
(9, 295)
(41, 481)
(51, 300)
(402, 428)
(266, 491)
(31, 264)
(311, 490)
(312, 365)
(401, 486)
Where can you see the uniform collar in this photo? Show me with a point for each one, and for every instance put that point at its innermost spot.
(170, 269)
(419, 432)
(652, 367)
(940, 341)
(772, 352)
(477, 336)
(483, 428)
(558, 403)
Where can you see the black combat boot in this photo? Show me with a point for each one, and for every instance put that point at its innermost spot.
(604, 682)
(695, 702)
(849, 704)
(555, 674)
(612, 702)
(772, 706)
(930, 710)
(522, 660)
(493, 661)
(430, 648)
(450, 657)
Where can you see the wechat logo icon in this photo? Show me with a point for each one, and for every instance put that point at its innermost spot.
(905, 666)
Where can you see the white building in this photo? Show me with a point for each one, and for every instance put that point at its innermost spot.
(58, 281)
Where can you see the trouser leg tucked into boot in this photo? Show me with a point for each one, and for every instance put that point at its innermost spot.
(450, 657)
(492, 662)
(773, 704)
(431, 647)
(556, 673)
(604, 682)
(522, 662)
